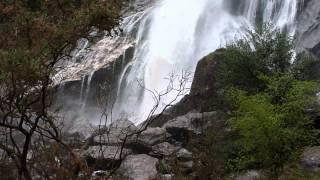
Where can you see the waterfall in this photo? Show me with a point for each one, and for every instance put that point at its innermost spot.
(82, 89)
(175, 34)
(167, 37)
(87, 91)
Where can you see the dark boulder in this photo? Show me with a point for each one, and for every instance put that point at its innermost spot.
(138, 167)
(204, 96)
(163, 149)
(113, 134)
(249, 175)
(152, 136)
(184, 155)
(310, 159)
(182, 127)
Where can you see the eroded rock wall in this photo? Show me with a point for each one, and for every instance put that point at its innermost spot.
(308, 27)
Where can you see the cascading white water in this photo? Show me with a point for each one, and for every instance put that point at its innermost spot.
(175, 34)
(85, 98)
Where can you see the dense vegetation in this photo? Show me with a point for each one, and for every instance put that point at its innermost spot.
(35, 36)
(269, 100)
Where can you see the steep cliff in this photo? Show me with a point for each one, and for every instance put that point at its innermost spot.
(308, 27)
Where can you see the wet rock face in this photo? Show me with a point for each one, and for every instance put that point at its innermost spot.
(308, 27)
(92, 87)
(140, 5)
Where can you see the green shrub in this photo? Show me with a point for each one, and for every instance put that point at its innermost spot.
(269, 98)
(269, 134)
(265, 51)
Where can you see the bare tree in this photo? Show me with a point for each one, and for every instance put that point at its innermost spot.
(37, 36)
(25, 116)
(178, 84)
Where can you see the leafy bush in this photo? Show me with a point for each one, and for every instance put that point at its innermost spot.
(208, 154)
(265, 51)
(272, 125)
(269, 101)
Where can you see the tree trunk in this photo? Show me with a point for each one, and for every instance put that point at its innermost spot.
(25, 171)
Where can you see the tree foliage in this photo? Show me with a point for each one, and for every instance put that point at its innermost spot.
(273, 125)
(269, 93)
(34, 36)
(269, 101)
(264, 51)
